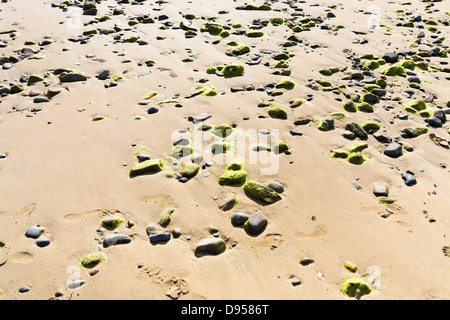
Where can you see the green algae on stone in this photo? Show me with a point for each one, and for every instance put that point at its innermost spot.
(394, 71)
(409, 64)
(240, 50)
(296, 103)
(166, 217)
(365, 107)
(358, 147)
(350, 266)
(356, 158)
(339, 154)
(150, 95)
(190, 170)
(370, 126)
(180, 151)
(213, 29)
(221, 147)
(349, 106)
(234, 175)
(414, 132)
(98, 118)
(357, 130)
(287, 84)
(280, 147)
(232, 71)
(111, 223)
(207, 91)
(371, 65)
(90, 32)
(92, 260)
(261, 193)
(34, 79)
(324, 83)
(277, 112)
(148, 166)
(255, 34)
(222, 130)
(351, 285)
(282, 64)
(386, 200)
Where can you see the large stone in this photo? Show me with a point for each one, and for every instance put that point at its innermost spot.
(211, 246)
(261, 193)
(256, 223)
(34, 232)
(393, 150)
(115, 239)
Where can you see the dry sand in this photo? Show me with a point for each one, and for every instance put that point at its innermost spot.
(66, 173)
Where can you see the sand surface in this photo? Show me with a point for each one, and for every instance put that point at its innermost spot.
(65, 172)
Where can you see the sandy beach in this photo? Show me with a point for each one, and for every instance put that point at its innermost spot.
(224, 150)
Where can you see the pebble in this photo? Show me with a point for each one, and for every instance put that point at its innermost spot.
(238, 219)
(274, 185)
(115, 239)
(34, 232)
(103, 75)
(212, 246)
(152, 110)
(24, 289)
(356, 185)
(160, 237)
(409, 179)
(394, 150)
(41, 243)
(76, 284)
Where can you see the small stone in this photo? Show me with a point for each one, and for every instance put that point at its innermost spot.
(103, 75)
(295, 131)
(381, 190)
(41, 243)
(238, 219)
(115, 239)
(152, 110)
(228, 203)
(276, 186)
(394, 150)
(76, 284)
(296, 282)
(409, 179)
(160, 237)
(306, 261)
(356, 185)
(34, 232)
(24, 289)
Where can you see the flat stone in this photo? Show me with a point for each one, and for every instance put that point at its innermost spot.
(115, 239)
(202, 117)
(160, 237)
(276, 186)
(41, 243)
(381, 190)
(76, 284)
(72, 77)
(212, 246)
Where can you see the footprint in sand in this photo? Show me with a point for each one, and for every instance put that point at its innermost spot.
(159, 200)
(3, 253)
(274, 240)
(446, 251)
(22, 257)
(28, 210)
(172, 286)
(319, 231)
(100, 213)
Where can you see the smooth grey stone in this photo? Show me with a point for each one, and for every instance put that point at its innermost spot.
(440, 114)
(414, 79)
(356, 185)
(390, 57)
(183, 180)
(41, 100)
(434, 122)
(379, 92)
(237, 89)
(409, 179)
(160, 237)
(144, 102)
(34, 232)
(76, 284)
(348, 135)
(382, 138)
(276, 186)
(228, 203)
(256, 223)
(7, 66)
(24, 289)
(115, 239)
(393, 150)
(42, 243)
(381, 190)
(103, 75)
(202, 117)
(211, 246)
(238, 219)
(72, 77)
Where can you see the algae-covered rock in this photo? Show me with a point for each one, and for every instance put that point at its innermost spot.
(261, 193)
(358, 147)
(221, 147)
(222, 130)
(190, 170)
(34, 79)
(365, 107)
(111, 223)
(232, 71)
(351, 285)
(394, 71)
(92, 260)
(356, 158)
(350, 266)
(234, 175)
(255, 34)
(166, 217)
(370, 126)
(339, 154)
(280, 147)
(417, 105)
(287, 84)
(326, 124)
(240, 50)
(180, 151)
(357, 130)
(414, 132)
(149, 166)
(349, 106)
(277, 112)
